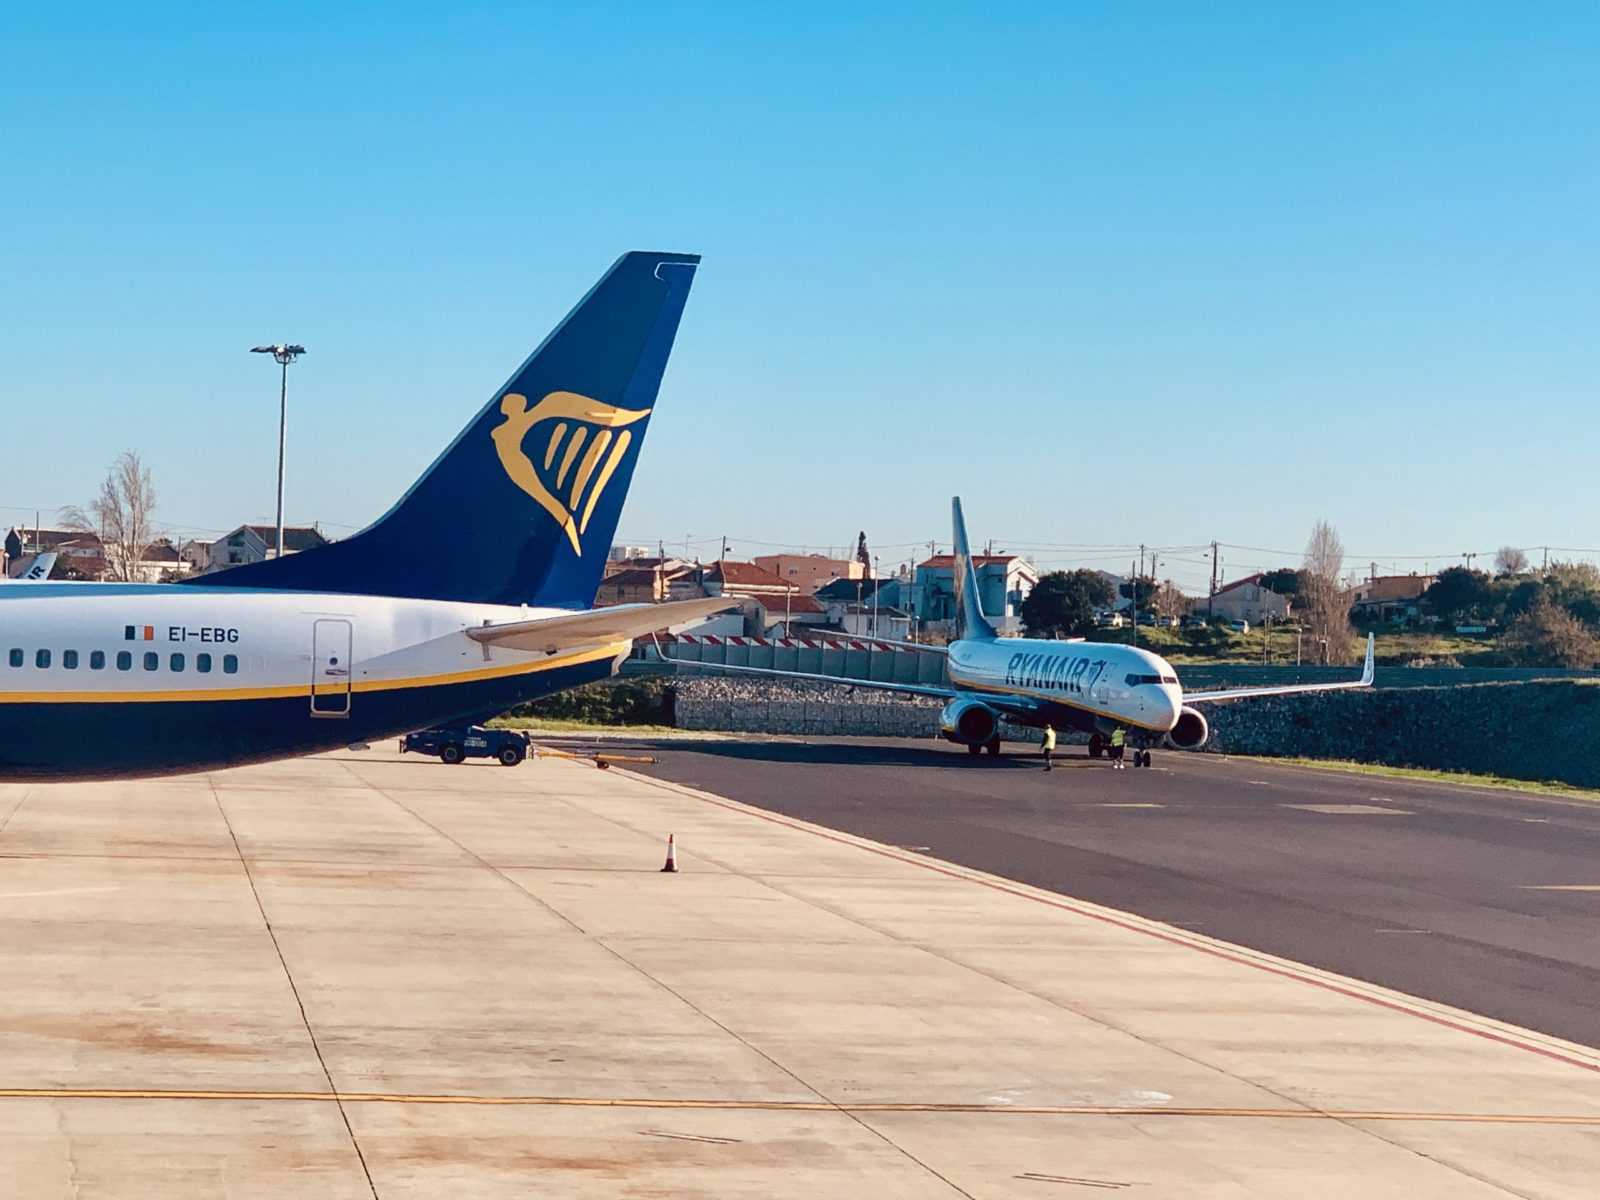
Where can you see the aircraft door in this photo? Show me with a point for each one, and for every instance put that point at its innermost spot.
(331, 640)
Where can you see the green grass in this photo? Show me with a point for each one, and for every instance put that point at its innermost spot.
(574, 725)
(1185, 647)
(1458, 778)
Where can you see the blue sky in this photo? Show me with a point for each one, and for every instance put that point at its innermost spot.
(1116, 273)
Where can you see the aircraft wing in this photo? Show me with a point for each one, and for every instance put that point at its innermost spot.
(1367, 673)
(596, 627)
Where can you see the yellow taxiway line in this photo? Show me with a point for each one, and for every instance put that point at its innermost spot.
(1036, 1110)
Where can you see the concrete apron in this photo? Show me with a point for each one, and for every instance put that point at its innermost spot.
(358, 975)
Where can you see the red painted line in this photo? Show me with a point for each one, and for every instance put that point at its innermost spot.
(1001, 886)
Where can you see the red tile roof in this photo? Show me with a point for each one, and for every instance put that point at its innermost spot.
(745, 574)
(982, 560)
(796, 605)
(1228, 587)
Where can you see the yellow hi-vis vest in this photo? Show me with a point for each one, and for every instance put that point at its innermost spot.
(1118, 737)
(1049, 738)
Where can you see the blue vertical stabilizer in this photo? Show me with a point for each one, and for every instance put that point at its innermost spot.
(522, 506)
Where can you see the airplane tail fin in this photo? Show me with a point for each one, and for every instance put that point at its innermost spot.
(521, 508)
(971, 624)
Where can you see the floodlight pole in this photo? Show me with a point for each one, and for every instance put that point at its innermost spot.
(283, 355)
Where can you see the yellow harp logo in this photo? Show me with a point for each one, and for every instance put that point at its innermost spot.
(587, 442)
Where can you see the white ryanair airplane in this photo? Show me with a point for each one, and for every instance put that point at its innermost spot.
(472, 594)
(1093, 687)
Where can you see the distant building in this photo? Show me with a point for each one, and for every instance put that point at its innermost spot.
(621, 553)
(862, 620)
(1389, 597)
(649, 585)
(257, 543)
(1004, 581)
(729, 578)
(810, 572)
(788, 615)
(1246, 600)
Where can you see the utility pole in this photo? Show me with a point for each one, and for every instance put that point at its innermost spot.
(724, 547)
(1211, 597)
(875, 595)
(1546, 566)
(283, 355)
(1133, 597)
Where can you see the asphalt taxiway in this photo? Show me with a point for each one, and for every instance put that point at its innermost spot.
(361, 975)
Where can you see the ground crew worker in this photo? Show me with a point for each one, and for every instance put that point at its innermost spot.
(1119, 739)
(1049, 745)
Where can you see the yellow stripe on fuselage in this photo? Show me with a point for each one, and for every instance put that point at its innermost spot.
(304, 689)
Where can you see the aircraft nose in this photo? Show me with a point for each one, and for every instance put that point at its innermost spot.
(1174, 705)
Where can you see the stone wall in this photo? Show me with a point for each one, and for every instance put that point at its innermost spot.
(1539, 730)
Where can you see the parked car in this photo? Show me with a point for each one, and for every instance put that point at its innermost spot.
(1194, 621)
(1239, 626)
(1109, 620)
(508, 746)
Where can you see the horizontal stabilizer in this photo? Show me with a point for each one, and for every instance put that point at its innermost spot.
(550, 635)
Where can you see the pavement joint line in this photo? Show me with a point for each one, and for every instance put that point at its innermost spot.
(1457, 1020)
(294, 988)
(1056, 1002)
(829, 1105)
(1193, 1112)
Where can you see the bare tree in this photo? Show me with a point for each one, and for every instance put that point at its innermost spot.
(1324, 602)
(120, 516)
(1170, 601)
(1508, 560)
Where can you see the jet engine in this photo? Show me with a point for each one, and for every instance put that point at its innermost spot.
(1191, 731)
(969, 722)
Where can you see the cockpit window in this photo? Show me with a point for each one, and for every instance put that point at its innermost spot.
(1136, 680)
(1169, 679)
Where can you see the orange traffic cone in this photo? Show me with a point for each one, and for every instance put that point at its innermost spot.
(672, 856)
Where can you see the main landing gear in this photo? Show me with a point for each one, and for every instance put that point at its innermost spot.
(977, 748)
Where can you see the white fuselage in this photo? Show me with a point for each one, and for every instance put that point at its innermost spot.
(250, 643)
(1123, 685)
(119, 680)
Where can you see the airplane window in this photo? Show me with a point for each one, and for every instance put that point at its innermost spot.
(124, 661)
(152, 661)
(202, 663)
(41, 659)
(97, 660)
(1169, 679)
(176, 662)
(16, 658)
(69, 659)
(230, 664)
(1136, 680)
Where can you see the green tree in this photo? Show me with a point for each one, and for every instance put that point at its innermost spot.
(1285, 581)
(1064, 602)
(1576, 588)
(1460, 594)
(1139, 589)
(1549, 636)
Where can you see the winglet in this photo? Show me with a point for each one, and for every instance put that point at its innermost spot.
(971, 624)
(1370, 671)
